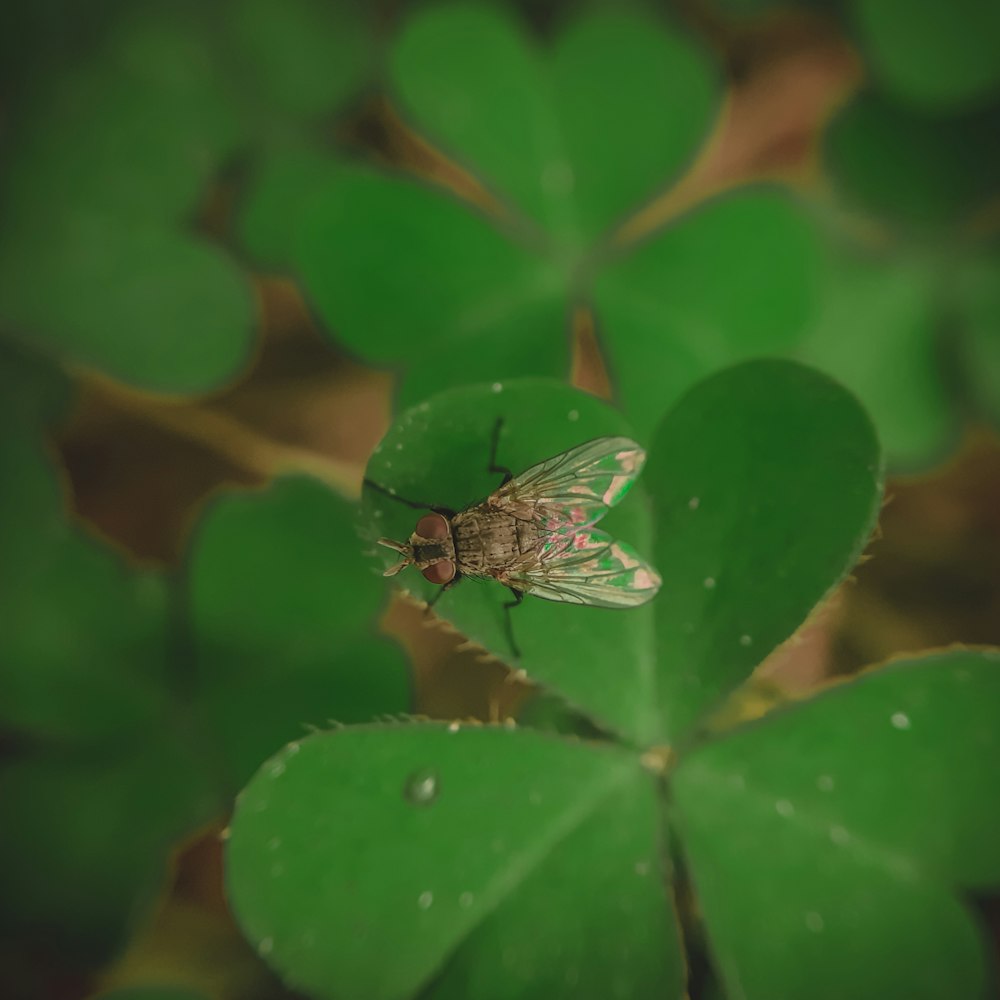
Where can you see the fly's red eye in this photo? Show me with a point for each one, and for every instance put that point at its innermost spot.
(432, 526)
(441, 572)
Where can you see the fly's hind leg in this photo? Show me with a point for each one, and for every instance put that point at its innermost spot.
(494, 443)
(508, 624)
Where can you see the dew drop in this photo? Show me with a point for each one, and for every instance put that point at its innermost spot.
(292, 749)
(814, 921)
(277, 768)
(784, 808)
(466, 900)
(497, 387)
(642, 868)
(737, 781)
(421, 788)
(709, 582)
(387, 464)
(453, 727)
(573, 415)
(277, 870)
(274, 843)
(399, 446)
(225, 833)
(425, 899)
(745, 640)
(900, 720)
(377, 513)
(535, 797)
(694, 503)
(266, 946)
(824, 783)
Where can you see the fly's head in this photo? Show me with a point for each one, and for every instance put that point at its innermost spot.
(430, 549)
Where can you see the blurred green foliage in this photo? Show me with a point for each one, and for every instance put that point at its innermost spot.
(138, 702)
(452, 186)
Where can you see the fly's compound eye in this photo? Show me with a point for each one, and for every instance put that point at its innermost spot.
(441, 572)
(432, 526)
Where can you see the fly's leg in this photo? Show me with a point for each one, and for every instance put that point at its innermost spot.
(416, 505)
(451, 583)
(507, 474)
(508, 625)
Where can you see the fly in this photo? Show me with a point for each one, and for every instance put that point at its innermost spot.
(535, 533)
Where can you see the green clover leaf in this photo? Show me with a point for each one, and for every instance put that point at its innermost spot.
(111, 158)
(444, 859)
(896, 312)
(408, 275)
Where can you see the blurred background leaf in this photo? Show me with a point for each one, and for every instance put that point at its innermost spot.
(281, 640)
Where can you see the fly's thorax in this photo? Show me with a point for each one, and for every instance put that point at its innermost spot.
(488, 541)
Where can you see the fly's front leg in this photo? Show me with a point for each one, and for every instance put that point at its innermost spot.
(502, 469)
(415, 504)
(508, 625)
(447, 586)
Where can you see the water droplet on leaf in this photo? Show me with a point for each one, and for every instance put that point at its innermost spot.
(421, 788)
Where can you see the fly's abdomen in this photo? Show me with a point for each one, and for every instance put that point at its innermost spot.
(487, 541)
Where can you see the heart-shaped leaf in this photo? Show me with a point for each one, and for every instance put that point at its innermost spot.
(547, 876)
(283, 609)
(851, 821)
(556, 131)
(766, 482)
(934, 55)
(737, 278)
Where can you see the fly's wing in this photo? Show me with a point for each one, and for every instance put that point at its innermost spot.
(573, 489)
(589, 567)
